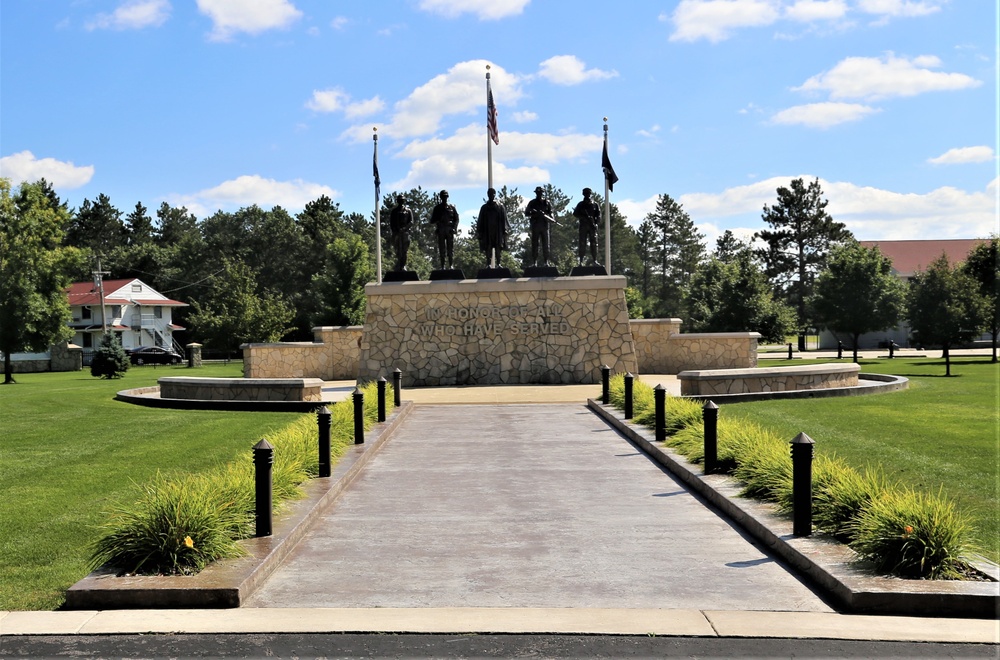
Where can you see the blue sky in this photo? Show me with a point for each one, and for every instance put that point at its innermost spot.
(217, 104)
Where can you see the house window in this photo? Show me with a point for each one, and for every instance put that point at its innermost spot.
(116, 311)
(88, 340)
(136, 288)
(85, 313)
(158, 312)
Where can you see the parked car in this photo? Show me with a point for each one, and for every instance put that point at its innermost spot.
(153, 355)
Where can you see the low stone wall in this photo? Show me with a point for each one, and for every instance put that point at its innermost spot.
(660, 348)
(332, 355)
(62, 357)
(241, 389)
(506, 331)
(771, 379)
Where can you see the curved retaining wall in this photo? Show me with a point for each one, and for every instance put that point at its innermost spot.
(768, 379)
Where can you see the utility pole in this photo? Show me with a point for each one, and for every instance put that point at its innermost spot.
(99, 285)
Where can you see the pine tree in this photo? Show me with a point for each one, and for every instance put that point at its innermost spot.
(801, 235)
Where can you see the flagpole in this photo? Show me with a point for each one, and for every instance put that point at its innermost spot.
(489, 141)
(607, 208)
(378, 210)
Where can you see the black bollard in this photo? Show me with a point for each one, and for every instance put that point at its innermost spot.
(381, 398)
(789, 351)
(710, 420)
(840, 349)
(359, 416)
(660, 423)
(802, 456)
(605, 384)
(263, 459)
(397, 387)
(324, 420)
(628, 395)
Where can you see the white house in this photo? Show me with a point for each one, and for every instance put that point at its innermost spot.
(137, 313)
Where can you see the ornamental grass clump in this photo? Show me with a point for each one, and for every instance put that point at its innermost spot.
(912, 535)
(178, 525)
(841, 493)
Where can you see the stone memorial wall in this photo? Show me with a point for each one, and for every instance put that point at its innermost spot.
(484, 332)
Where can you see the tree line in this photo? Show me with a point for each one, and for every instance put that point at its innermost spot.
(257, 275)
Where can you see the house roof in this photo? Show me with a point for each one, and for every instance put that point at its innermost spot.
(117, 292)
(910, 257)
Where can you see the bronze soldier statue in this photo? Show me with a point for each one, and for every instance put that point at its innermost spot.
(539, 212)
(492, 228)
(444, 217)
(400, 221)
(589, 215)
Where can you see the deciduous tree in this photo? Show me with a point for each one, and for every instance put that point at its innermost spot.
(857, 293)
(735, 296)
(944, 307)
(983, 265)
(34, 312)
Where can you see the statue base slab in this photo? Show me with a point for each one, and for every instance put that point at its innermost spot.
(447, 274)
(493, 273)
(580, 271)
(541, 271)
(400, 276)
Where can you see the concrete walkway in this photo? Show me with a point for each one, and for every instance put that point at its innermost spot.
(526, 506)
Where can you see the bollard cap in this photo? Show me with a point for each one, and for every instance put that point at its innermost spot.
(397, 370)
(659, 387)
(323, 411)
(710, 405)
(628, 374)
(381, 379)
(605, 367)
(803, 439)
(263, 445)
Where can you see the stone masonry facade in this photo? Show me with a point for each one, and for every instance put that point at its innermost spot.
(558, 330)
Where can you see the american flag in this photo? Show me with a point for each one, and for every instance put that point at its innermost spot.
(491, 117)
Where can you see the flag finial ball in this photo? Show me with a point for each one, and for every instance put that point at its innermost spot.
(487, 67)
(605, 120)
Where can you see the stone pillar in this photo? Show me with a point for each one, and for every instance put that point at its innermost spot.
(193, 355)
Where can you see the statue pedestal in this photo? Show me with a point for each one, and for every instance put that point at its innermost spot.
(400, 276)
(580, 271)
(497, 273)
(488, 332)
(447, 274)
(541, 271)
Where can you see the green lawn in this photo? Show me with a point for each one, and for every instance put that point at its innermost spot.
(940, 433)
(68, 450)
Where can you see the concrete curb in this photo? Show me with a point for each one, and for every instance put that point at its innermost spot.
(228, 583)
(827, 563)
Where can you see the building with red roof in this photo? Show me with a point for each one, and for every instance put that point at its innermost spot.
(133, 310)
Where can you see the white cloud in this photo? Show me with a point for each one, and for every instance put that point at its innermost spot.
(870, 213)
(485, 10)
(650, 132)
(23, 166)
(132, 15)
(524, 117)
(457, 161)
(337, 100)
(900, 8)
(250, 16)
(871, 78)
(807, 11)
(715, 20)
(961, 155)
(253, 189)
(823, 115)
(570, 70)
(460, 91)
(327, 100)
(340, 22)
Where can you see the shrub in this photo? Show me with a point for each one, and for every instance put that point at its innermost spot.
(912, 534)
(841, 493)
(179, 525)
(176, 527)
(110, 360)
(902, 532)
